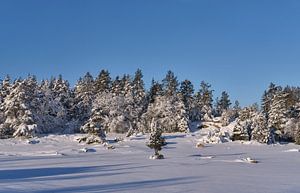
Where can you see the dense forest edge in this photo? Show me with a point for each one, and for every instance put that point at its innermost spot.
(101, 105)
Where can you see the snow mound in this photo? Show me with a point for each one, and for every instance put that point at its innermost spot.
(292, 150)
(153, 157)
(246, 160)
(87, 150)
(206, 157)
(215, 135)
(252, 142)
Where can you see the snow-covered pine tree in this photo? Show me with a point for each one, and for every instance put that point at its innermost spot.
(243, 128)
(84, 95)
(260, 130)
(94, 127)
(204, 101)
(231, 114)
(126, 86)
(170, 84)
(116, 87)
(139, 105)
(297, 133)
(51, 111)
(47, 116)
(175, 117)
(186, 92)
(20, 108)
(277, 114)
(268, 96)
(223, 103)
(102, 82)
(138, 87)
(119, 111)
(62, 94)
(236, 108)
(155, 90)
(168, 112)
(156, 141)
(5, 87)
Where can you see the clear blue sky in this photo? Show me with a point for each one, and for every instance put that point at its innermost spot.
(236, 45)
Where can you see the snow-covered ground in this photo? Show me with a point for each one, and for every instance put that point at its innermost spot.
(59, 164)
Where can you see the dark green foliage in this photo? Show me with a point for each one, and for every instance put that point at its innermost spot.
(222, 104)
(204, 100)
(170, 84)
(102, 82)
(156, 141)
(155, 90)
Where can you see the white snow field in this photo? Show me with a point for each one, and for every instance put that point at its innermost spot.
(57, 163)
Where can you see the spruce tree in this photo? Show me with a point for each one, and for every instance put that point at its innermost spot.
(138, 87)
(126, 86)
(261, 131)
(170, 84)
(139, 104)
(5, 88)
(116, 87)
(102, 82)
(223, 103)
(94, 127)
(84, 95)
(277, 114)
(155, 90)
(156, 141)
(268, 96)
(204, 101)
(20, 108)
(186, 93)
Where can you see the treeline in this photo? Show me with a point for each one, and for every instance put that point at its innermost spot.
(277, 120)
(101, 104)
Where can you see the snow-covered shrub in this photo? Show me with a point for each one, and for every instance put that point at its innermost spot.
(215, 136)
(228, 116)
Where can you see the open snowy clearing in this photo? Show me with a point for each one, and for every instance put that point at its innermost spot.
(60, 164)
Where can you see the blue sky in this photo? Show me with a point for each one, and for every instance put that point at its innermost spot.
(236, 45)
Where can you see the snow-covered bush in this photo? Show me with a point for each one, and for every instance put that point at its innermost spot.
(228, 116)
(215, 136)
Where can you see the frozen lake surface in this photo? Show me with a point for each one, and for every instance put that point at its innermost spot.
(59, 164)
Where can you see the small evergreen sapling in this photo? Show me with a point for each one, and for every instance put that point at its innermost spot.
(156, 141)
(94, 129)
